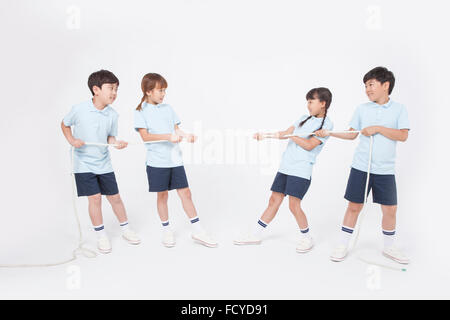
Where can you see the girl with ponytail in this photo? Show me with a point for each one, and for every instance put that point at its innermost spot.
(156, 121)
(294, 175)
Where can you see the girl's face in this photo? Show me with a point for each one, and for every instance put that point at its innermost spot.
(156, 95)
(376, 91)
(107, 93)
(316, 107)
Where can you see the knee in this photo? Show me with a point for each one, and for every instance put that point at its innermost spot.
(389, 211)
(354, 208)
(294, 205)
(95, 199)
(163, 196)
(115, 199)
(185, 194)
(275, 200)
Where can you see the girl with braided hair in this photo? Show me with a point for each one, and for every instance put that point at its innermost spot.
(294, 175)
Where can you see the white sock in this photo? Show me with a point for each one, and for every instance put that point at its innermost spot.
(305, 233)
(100, 231)
(346, 235)
(389, 238)
(196, 226)
(260, 227)
(124, 226)
(166, 225)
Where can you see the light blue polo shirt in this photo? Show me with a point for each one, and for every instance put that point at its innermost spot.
(297, 161)
(391, 115)
(159, 119)
(92, 125)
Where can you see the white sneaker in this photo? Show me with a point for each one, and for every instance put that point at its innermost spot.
(339, 253)
(204, 239)
(395, 254)
(103, 245)
(305, 244)
(168, 239)
(247, 239)
(131, 237)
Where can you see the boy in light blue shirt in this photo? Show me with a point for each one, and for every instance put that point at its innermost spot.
(95, 121)
(387, 121)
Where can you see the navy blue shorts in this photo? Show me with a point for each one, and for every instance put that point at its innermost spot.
(384, 189)
(89, 183)
(291, 185)
(162, 179)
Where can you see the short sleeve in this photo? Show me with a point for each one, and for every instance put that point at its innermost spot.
(175, 118)
(139, 120)
(328, 125)
(70, 118)
(115, 126)
(403, 121)
(355, 123)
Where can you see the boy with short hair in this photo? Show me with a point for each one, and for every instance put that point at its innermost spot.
(96, 121)
(387, 121)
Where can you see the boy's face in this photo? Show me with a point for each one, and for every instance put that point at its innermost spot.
(315, 106)
(375, 90)
(157, 94)
(107, 93)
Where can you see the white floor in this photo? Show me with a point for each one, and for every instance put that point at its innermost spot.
(224, 84)
(272, 270)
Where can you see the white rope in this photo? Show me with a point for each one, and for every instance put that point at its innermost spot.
(361, 215)
(304, 134)
(80, 250)
(129, 143)
(361, 218)
(91, 254)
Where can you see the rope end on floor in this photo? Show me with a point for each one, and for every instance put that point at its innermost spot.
(87, 253)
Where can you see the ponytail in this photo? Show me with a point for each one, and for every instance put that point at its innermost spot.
(139, 107)
(148, 83)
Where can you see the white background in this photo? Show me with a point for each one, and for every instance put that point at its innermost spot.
(232, 66)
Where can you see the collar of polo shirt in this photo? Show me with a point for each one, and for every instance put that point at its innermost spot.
(145, 104)
(386, 105)
(94, 109)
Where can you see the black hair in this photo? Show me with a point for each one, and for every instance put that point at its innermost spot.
(382, 75)
(101, 77)
(324, 95)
